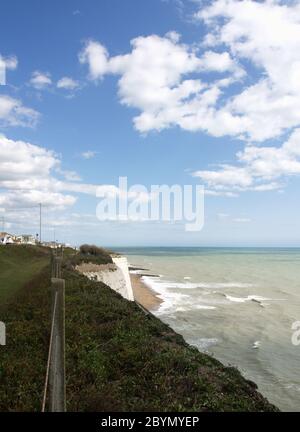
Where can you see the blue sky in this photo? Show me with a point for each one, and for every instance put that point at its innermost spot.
(163, 92)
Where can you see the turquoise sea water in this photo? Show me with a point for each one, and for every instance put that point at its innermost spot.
(237, 304)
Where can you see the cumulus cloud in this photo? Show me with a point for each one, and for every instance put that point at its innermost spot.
(162, 78)
(43, 80)
(67, 83)
(23, 160)
(29, 175)
(220, 62)
(14, 113)
(9, 63)
(26, 175)
(267, 34)
(96, 56)
(257, 169)
(40, 80)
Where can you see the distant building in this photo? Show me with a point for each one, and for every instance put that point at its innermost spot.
(25, 239)
(53, 245)
(6, 238)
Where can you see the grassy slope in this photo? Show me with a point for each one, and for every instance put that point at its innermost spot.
(27, 318)
(119, 359)
(19, 264)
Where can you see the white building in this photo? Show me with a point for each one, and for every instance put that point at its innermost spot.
(53, 245)
(25, 239)
(6, 238)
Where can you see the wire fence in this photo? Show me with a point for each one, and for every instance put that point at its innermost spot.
(54, 394)
(49, 355)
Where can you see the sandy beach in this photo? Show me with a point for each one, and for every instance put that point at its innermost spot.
(143, 294)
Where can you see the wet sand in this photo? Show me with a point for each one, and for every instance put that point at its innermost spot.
(144, 295)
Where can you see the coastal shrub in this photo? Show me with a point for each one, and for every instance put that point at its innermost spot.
(92, 250)
(87, 254)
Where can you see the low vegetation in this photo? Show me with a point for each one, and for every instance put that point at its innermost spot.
(92, 250)
(88, 254)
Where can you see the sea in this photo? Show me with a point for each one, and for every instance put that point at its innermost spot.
(237, 304)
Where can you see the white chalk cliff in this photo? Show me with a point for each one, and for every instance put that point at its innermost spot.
(116, 275)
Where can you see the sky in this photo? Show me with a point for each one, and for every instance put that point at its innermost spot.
(162, 92)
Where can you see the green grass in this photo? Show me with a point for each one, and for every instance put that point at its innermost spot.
(23, 360)
(25, 309)
(19, 264)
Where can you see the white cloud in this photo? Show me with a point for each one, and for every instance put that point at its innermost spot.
(268, 35)
(89, 154)
(220, 193)
(220, 62)
(26, 175)
(70, 175)
(24, 160)
(67, 83)
(228, 176)
(162, 78)
(96, 56)
(31, 198)
(259, 168)
(14, 113)
(40, 80)
(9, 63)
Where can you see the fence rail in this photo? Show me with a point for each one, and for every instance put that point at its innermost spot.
(56, 266)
